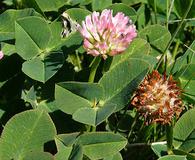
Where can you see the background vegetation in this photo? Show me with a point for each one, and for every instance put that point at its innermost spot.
(47, 104)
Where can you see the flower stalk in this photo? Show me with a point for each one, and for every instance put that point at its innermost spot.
(94, 65)
(169, 136)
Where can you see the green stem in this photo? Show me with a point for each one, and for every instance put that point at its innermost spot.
(123, 115)
(169, 11)
(167, 14)
(169, 135)
(155, 133)
(176, 48)
(174, 55)
(78, 61)
(93, 129)
(155, 12)
(94, 65)
(133, 125)
(174, 35)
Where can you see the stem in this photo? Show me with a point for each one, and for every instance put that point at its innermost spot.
(133, 125)
(176, 48)
(125, 111)
(78, 61)
(174, 35)
(167, 14)
(94, 65)
(174, 55)
(169, 135)
(179, 20)
(155, 135)
(155, 10)
(92, 129)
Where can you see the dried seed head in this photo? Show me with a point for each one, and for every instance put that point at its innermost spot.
(158, 99)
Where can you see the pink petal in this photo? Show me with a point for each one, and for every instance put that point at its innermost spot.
(107, 35)
(1, 54)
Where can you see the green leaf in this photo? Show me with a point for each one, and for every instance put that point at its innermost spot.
(159, 148)
(45, 5)
(190, 156)
(141, 17)
(86, 116)
(114, 157)
(32, 36)
(187, 72)
(100, 4)
(188, 57)
(8, 18)
(57, 41)
(121, 80)
(182, 5)
(8, 49)
(189, 86)
(132, 2)
(30, 96)
(158, 37)
(80, 2)
(191, 52)
(184, 132)
(89, 91)
(43, 69)
(173, 157)
(66, 148)
(102, 144)
(67, 139)
(56, 30)
(72, 40)
(26, 132)
(138, 47)
(77, 14)
(147, 58)
(63, 151)
(85, 113)
(160, 6)
(38, 155)
(128, 11)
(94, 116)
(117, 94)
(69, 102)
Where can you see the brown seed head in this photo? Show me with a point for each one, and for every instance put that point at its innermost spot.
(157, 98)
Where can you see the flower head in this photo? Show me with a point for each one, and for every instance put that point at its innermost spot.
(1, 54)
(105, 34)
(158, 98)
